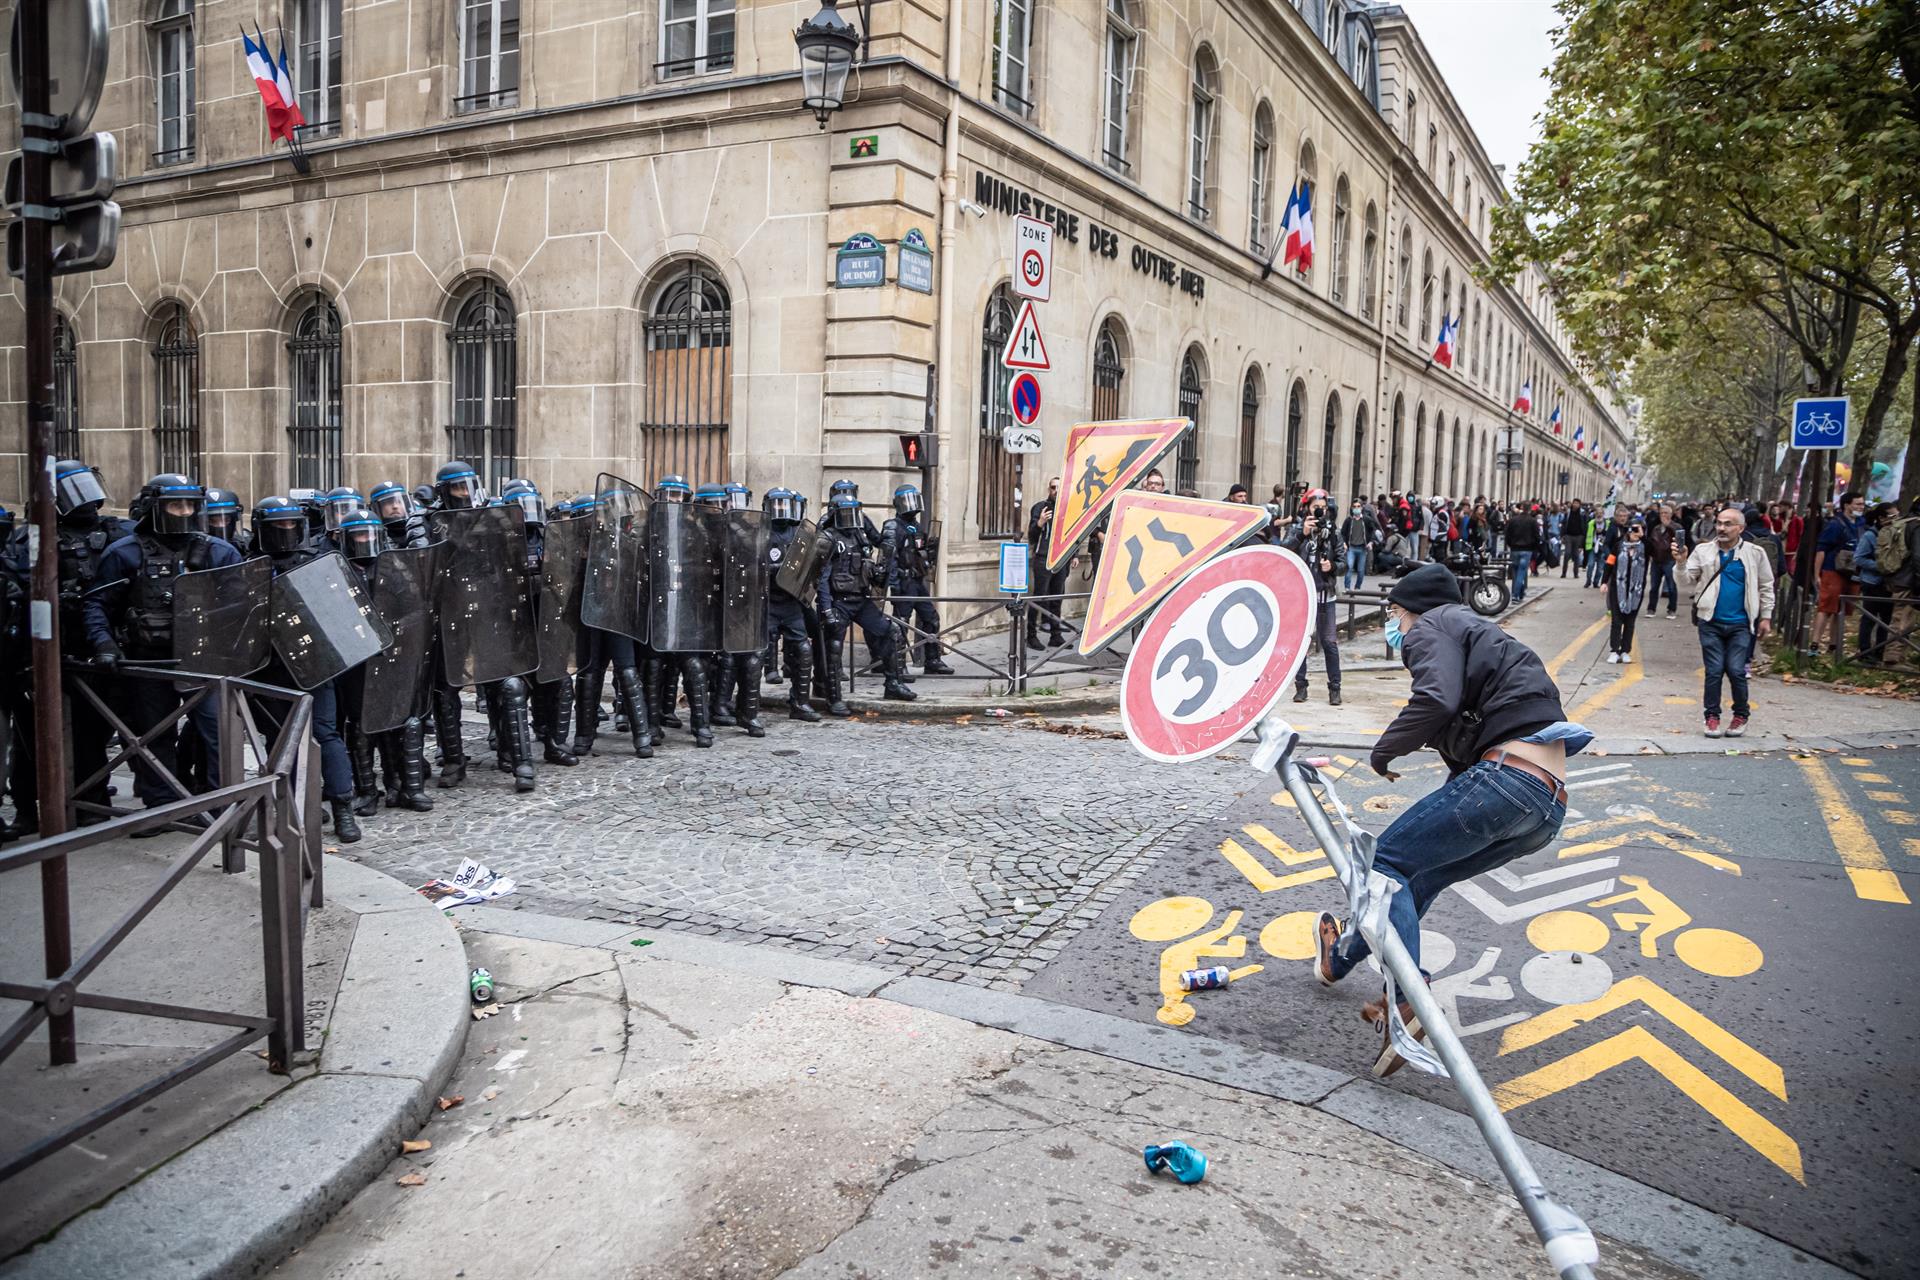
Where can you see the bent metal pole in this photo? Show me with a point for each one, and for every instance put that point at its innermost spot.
(1570, 1245)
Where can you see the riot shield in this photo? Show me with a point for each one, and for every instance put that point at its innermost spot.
(220, 619)
(323, 621)
(562, 567)
(487, 630)
(404, 582)
(685, 546)
(802, 565)
(614, 596)
(743, 583)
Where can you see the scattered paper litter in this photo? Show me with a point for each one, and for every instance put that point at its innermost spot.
(485, 1011)
(447, 1104)
(412, 1180)
(470, 884)
(411, 1145)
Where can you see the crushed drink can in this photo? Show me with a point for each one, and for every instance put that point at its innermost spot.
(1207, 979)
(480, 984)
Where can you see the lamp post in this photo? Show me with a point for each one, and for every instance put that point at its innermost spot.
(827, 44)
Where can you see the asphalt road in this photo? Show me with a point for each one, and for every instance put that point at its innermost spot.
(1701, 986)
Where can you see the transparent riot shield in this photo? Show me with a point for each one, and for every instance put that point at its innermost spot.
(486, 624)
(802, 564)
(404, 583)
(562, 568)
(686, 545)
(220, 619)
(743, 583)
(323, 622)
(614, 596)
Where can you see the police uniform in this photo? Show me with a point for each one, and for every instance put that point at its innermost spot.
(844, 587)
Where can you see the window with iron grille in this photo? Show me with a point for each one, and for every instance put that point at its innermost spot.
(1109, 371)
(316, 37)
(489, 55)
(1123, 52)
(1012, 36)
(1358, 479)
(1249, 428)
(689, 377)
(1296, 428)
(1329, 441)
(485, 353)
(173, 74)
(996, 472)
(66, 389)
(696, 36)
(1193, 383)
(313, 435)
(176, 363)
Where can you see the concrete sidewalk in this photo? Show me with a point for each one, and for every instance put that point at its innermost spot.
(663, 1105)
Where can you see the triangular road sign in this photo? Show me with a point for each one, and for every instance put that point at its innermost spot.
(1026, 349)
(1102, 459)
(1153, 541)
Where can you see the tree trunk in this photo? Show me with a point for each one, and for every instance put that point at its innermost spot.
(1910, 480)
(1893, 370)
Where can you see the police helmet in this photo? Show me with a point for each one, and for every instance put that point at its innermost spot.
(456, 486)
(526, 495)
(76, 488)
(784, 506)
(338, 501)
(422, 496)
(390, 501)
(279, 526)
(359, 534)
(739, 497)
(222, 513)
(711, 495)
(844, 511)
(906, 501)
(312, 504)
(848, 487)
(172, 504)
(673, 489)
(6, 524)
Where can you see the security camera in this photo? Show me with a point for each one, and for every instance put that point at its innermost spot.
(972, 208)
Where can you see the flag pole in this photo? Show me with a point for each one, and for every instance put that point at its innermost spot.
(295, 152)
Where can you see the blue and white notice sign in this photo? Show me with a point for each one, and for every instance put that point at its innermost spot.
(1822, 423)
(1015, 572)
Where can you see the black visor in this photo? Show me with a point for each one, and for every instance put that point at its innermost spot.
(790, 508)
(75, 488)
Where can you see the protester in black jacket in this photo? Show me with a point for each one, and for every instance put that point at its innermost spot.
(1523, 543)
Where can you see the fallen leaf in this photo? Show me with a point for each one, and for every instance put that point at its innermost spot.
(448, 1104)
(412, 1180)
(412, 1145)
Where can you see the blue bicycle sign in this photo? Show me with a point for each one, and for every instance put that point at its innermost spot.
(1821, 423)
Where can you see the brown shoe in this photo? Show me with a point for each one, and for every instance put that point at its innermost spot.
(1389, 1059)
(1326, 932)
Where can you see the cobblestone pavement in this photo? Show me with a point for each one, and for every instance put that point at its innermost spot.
(966, 851)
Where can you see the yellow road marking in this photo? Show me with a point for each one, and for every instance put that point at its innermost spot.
(1262, 879)
(1674, 700)
(1279, 848)
(1913, 847)
(1886, 797)
(1566, 655)
(1880, 778)
(1634, 674)
(1899, 817)
(1665, 841)
(1866, 864)
(1856, 761)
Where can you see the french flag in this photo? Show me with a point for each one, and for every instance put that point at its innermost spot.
(1579, 439)
(1554, 421)
(1523, 403)
(275, 85)
(1443, 352)
(1297, 228)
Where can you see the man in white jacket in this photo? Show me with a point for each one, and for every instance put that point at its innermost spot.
(1732, 581)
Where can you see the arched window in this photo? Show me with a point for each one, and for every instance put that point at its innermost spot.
(1310, 190)
(1296, 427)
(1466, 202)
(1403, 285)
(1329, 440)
(1362, 461)
(1116, 103)
(485, 349)
(1260, 193)
(1249, 428)
(171, 36)
(316, 36)
(176, 363)
(1193, 391)
(1342, 232)
(997, 472)
(1109, 370)
(1478, 345)
(66, 389)
(314, 431)
(1426, 295)
(689, 400)
(1396, 437)
(1369, 256)
(1453, 457)
(1203, 127)
(1446, 312)
(1416, 484)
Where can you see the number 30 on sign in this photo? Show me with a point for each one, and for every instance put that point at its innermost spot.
(1217, 654)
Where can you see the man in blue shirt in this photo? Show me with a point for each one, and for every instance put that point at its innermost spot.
(1733, 603)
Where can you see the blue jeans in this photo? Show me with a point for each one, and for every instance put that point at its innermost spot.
(1725, 649)
(1356, 569)
(1522, 561)
(1482, 818)
(1596, 566)
(1661, 577)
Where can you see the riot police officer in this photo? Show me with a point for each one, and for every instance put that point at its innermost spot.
(225, 519)
(550, 702)
(362, 539)
(129, 614)
(666, 670)
(456, 487)
(786, 618)
(737, 675)
(393, 506)
(910, 556)
(598, 650)
(846, 582)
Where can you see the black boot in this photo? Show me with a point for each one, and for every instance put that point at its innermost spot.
(412, 737)
(933, 666)
(586, 710)
(555, 706)
(747, 711)
(620, 722)
(720, 681)
(800, 668)
(516, 731)
(446, 731)
(387, 745)
(664, 680)
(366, 786)
(346, 827)
(836, 697)
(627, 681)
(699, 698)
(895, 687)
(770, 663)
(499, 736)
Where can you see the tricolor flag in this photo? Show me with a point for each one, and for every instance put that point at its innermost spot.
(1296, 228)
(1443, 351)
(1523, 403)
(1579, 439)
(275, 85)
(1555, 422)
(1606, 457)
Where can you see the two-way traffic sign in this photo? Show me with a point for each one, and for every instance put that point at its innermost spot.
(1026, 349)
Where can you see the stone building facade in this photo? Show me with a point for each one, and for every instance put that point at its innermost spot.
(561, 236)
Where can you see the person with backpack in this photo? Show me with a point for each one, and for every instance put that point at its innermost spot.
(1626, 584)
(1878, 553)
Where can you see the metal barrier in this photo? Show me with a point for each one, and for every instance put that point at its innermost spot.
(275, 813)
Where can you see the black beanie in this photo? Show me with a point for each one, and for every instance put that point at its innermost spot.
(1428, 587)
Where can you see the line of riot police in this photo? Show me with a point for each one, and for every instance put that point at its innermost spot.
(384, 607)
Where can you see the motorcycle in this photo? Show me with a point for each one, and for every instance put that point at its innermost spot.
(1486, 591)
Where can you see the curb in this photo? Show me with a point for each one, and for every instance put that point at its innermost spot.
(235, 1204)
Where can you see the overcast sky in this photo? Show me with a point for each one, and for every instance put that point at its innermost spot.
(1494, 54)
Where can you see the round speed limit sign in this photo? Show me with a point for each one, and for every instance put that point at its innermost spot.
(1217, 654)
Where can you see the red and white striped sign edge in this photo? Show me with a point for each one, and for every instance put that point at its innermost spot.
(1276, 574)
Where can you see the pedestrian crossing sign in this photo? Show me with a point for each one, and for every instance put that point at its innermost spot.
(1102, 459)
(1155, 540)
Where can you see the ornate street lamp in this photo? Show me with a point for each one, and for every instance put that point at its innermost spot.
(827, 44)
